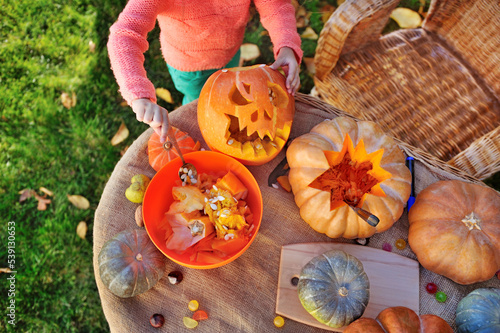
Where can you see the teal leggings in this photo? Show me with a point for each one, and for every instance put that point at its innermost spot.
(190, 83)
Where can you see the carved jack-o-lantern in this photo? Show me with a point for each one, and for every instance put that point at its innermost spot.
(246, 112)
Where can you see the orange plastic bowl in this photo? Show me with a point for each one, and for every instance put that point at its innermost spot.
(158, 198)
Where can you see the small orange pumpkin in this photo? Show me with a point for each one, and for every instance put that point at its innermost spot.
(343, 163)
(455, 230)
(162, 153)
(400, 319)
(246, 112)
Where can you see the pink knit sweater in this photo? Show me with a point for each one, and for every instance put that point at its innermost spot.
(194, 34)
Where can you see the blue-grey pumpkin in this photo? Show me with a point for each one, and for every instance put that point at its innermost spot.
(130, 264)
(479, 312)
(334, 288)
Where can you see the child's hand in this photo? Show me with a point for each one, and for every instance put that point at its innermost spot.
(286, 59)
(153, 115)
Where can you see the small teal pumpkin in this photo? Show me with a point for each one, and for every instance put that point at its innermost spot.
(334, 288)
(479, 312)
(130, 264)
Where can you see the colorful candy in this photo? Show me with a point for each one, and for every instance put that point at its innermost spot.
(279, 321)
(400, 243)
(431, 288)
(200, 315)
(193, 305)
(387, 247)
(157, 320)
(189, 322)
(441, 297)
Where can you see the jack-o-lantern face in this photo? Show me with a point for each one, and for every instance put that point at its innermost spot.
(246, 112)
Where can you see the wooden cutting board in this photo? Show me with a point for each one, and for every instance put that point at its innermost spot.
(394, 279)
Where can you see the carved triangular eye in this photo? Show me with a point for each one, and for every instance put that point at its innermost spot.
(277, 96)
(237, 97)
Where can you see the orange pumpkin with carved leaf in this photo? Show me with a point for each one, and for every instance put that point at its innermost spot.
(246, 113)
(342, 162)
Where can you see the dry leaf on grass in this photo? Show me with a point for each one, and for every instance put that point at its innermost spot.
(68, 101)
(310, 65)
(124, 150)
(42, 202)
(79, 201)
(120, 135)
(326, 12)
(406, 18)
(46, 191)
(81, 229)
(28, 193)
(25, 194)
(309, 33)
(91, 46)
(249, 52)
(165, 95)
(5, 270)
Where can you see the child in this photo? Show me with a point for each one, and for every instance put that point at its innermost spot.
(197, 37)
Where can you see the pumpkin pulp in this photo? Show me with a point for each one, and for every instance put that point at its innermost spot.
(353, 174)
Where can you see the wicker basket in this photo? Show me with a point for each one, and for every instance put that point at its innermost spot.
(436, 88)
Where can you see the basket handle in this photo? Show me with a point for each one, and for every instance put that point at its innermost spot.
(482, 158)
(353, 24)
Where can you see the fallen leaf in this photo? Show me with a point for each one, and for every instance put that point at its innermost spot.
(326, 12)
(123, 151)
(46, 191)
(309, 33)
(25, 194)
(310, 64)
(91, 46)
(314, 92)
(406, 18)
(120, 135)
(301, 11)
(301, 22)
(79, 201)
(165, 95)
(123, 104)
(42, 202)
(249, 52)
(68, 101)
(81, 229)
(5, 270)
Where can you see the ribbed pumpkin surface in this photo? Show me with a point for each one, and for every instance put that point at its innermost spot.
(130, 264)
(334, 288)
(479, 311)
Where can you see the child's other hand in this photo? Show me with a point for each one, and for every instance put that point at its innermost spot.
(286, 59)
(153, 115)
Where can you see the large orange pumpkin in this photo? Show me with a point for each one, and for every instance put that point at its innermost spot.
(342, 162)
(161, 153)
(246, 112)
(400, 319)
(455, 230)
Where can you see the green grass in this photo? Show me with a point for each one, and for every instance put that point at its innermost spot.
(45, 52)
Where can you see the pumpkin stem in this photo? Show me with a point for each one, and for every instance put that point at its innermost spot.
(138, 257)
(167, 145)
(343, 291)
(471, 221)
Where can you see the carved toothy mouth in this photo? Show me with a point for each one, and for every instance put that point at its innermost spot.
(253, 144)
